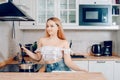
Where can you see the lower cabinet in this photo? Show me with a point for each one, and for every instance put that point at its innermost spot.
(110, 69)
(117, 70)
(82, 64)
(106, 67)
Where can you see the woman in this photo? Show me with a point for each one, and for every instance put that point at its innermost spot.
(54, 48)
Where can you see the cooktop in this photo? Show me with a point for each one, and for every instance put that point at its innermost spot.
(15, 68)
(78, 56)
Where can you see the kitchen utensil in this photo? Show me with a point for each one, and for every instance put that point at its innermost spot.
(22, 54)
(26, 67)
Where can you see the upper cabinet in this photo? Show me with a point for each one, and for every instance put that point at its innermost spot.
(28, 6)
(63, 9)
(66, 10)
(41, 10)
(45, 10)
(94, 1)
(116, 14)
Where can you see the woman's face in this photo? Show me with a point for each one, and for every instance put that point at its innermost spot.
(51, 28)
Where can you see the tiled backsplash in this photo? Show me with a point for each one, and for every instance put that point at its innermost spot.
(81, 40)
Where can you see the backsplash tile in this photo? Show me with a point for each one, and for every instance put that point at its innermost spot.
(81, 40)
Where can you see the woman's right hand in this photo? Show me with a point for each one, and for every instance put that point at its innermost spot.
(22, 47)
(82, 70)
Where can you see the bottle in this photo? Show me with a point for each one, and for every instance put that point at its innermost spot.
(113, 11)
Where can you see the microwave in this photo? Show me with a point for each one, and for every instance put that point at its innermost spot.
(93, 15)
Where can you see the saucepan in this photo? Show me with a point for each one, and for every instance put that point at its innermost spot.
(26, 67)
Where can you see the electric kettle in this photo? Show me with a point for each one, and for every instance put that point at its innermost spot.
(96, 50)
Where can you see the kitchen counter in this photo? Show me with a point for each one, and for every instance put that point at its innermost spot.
(89, 58)
(52, 76)
(8, 61)
(11, 61)
(55, 75)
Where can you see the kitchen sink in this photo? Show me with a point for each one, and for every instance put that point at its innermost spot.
(15, 68)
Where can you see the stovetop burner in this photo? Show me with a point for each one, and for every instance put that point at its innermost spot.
(78, 56)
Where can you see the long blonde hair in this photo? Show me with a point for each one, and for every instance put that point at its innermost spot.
(60, 32)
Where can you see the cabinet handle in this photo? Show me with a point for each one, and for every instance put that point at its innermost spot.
(117, 61)
(100, 61)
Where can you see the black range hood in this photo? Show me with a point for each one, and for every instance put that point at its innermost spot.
(10, 12)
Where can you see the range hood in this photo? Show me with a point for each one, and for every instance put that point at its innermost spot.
(10, 12)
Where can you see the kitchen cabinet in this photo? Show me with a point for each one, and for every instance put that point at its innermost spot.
(116, 14)
(106, 67)
(28, 7)
(41, 10)
(113, 7)
(63, 9)
(117, 70)
(82, 64)
(66, 10)
(94, 2)
(45, 10)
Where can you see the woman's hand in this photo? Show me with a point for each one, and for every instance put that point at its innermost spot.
(23, 48)
(83, 70)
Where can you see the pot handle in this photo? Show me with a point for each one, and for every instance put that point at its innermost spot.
(92, 48)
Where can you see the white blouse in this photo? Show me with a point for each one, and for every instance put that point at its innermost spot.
(52, 53)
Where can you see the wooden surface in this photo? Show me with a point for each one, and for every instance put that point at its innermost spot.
(89, 58)
(8, 61)
(52, 76)
(11, 61)
(48, 76)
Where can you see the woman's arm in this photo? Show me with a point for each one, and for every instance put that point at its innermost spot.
(69, 62)
(36, 55)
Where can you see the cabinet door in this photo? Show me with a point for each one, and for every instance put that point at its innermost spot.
(45, 10)
(28, 6)
(82, 64)
(95, 2)
(117, 70)
(67, 11)
(106, 67)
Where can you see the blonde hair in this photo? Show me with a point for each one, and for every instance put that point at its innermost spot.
(60, 32)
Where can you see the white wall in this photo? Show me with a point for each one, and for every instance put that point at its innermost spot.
(82, 40)
(118, 42)
(8, 45)
(14, 42)
(4, 40)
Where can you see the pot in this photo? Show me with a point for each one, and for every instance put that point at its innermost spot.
(26, 67)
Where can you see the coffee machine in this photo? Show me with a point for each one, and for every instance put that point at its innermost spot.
(107, 48)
